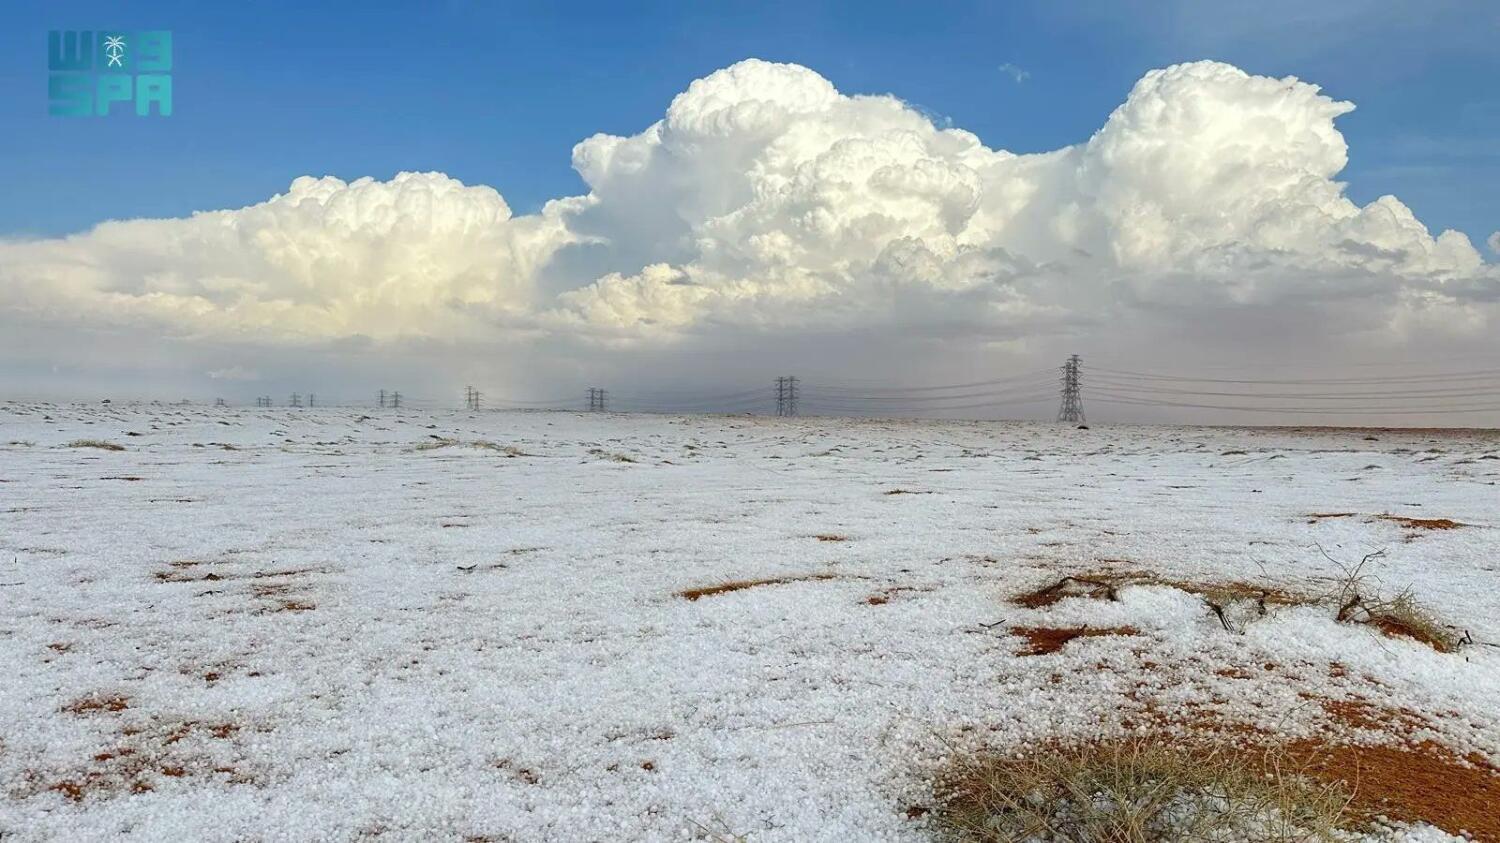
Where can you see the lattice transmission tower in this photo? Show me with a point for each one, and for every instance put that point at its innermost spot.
(1072, 400)
(786, 396)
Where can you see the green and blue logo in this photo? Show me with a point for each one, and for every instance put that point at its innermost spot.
(92, 72)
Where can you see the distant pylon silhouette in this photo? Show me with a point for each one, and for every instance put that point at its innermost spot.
(1072, 401)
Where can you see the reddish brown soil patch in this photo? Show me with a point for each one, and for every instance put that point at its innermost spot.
(1042, 640)
(143, 755)
(1427, 783)
(740, 585)
(73, 790)
(1423, 523)
(877, 599)
(1363, 714)
(831, 537)
(97, 703)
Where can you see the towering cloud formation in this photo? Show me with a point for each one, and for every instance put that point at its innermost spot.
(765, 187)
(766, 198)
(418, 255)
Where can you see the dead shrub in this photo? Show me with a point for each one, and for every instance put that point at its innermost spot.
(1093, 587)
(1358, 598)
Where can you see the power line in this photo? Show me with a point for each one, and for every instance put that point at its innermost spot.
(1334, 396)
(1474, 375)
(1440, 410)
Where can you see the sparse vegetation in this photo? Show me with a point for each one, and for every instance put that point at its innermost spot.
(95, 443)
(740, 585)
(1139, 791)
(1423, 523)
(1354, 597)
(483, 444)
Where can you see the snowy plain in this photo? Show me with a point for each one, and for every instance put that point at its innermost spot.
(334, 624)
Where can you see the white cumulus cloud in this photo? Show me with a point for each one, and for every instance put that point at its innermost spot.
(767, 200)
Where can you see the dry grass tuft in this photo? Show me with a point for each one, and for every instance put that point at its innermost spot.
(1315, 517)
(741, 585)
(1403, 617)
(437, 442)
(830, 537)
(1042, 640)
(1139, 791)
(1423, 523)
(95, 443)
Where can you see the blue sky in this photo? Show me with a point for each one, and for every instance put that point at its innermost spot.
(498, 93)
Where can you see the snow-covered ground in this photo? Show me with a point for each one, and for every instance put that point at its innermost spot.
(302, 625)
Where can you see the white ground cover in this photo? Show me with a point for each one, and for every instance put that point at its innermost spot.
(363, 637)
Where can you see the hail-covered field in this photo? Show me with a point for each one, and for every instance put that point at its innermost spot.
(334, 624)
